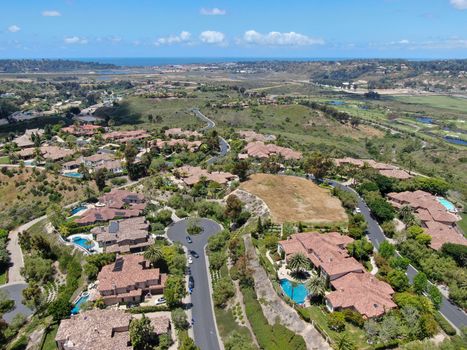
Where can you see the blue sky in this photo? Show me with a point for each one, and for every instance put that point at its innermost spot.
(233, 28)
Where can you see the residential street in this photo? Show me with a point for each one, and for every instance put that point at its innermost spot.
(205, 329)
(451, 312)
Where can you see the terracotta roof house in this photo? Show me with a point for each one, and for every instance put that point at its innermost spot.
(383, 168)
(361, 292)
(327, 252)
(120, 199)
(129, 279)
(125, 136)
(124, 236)
(178, 132)
(94, 215)
(55, 153)
(251, 136)
(259, 149)
(24, 141)
(102, 329)
(192, 175)
(173, 143)
(81, 130)
(353, 287)
(26, 152)
(438, 222)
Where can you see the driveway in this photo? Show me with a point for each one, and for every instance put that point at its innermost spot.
(451, 312)
(205, 329)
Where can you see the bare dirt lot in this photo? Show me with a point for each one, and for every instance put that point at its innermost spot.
(294, 199)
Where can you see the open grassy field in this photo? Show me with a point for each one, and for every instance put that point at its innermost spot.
(294, 199)
(134, 112)
(440, 102)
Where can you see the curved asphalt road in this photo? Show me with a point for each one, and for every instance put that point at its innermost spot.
(455, 315)
(205, 329)
(223, 144)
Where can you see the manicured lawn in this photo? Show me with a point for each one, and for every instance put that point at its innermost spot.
(356, 334)
(3, 276)
(4, 160)
(49, 343)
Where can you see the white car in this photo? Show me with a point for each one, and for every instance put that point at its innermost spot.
(357, 210)
(160, 301)
(190, 260)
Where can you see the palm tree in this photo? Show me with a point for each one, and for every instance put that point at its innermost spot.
(316, 286)
(298, 262)
(153, 254)
(345, 343)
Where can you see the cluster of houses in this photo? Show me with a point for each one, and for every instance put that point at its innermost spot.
(435, 218)
(127, 280)
(352, 286)
(383, 168)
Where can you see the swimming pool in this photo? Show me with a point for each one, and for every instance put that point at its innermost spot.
(83, 242)
(297, 294)
(77, 210)
(74, 175)
(82, 299)
(425, 120)
(447, 204)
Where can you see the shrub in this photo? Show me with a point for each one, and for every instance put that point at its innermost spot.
(445, 325)
(147, 309)
(354, 317)
(336, 321)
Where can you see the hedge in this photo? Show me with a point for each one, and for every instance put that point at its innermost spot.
(276, 337)
(445, 325)
(147, 309)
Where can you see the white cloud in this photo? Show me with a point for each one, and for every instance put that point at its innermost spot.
(51, 13)
(404, 42)
(212, 37)
(213, 12)
(459, 4)
(75, 40)
(14, 28)
(280, 39)
(183, 37)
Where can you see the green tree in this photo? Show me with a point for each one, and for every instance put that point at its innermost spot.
(59, 309)
(435, 296)
(318, 164)
(186, 343)
(386, 250)
(420, 283)
(142, 334)
(174, 290)
(223, 290)
(298, 262)
(316, 286)
(153, 254)
(241, 168)
(398, 280)
(344, 342)
(456, 251)
(100, 175)
(233, 207)
(179, 319)
(336, 321)
(360, 249)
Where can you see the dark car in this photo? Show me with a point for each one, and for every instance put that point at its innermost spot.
(188, 271)
(191, 282)
(188, 239)
(194, 254)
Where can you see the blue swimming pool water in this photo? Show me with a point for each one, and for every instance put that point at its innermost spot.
(455, 140)
(74, 175)
(78, 304)
(83, 242)
(337, 103)
(447, 204)
(425, 120)
(77, 210)
(299, 292)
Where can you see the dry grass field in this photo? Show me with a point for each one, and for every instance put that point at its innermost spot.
(294, 199)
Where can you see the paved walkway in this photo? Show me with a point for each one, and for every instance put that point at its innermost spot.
(276, 308)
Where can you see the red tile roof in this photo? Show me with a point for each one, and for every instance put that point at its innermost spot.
(362, 292)
(259, 149)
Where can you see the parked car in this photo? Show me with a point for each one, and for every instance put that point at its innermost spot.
(357, 210)
(191, 282)
(194, 254)
(190, 260)
(160, 301)
(189, 240)
(188, 270)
